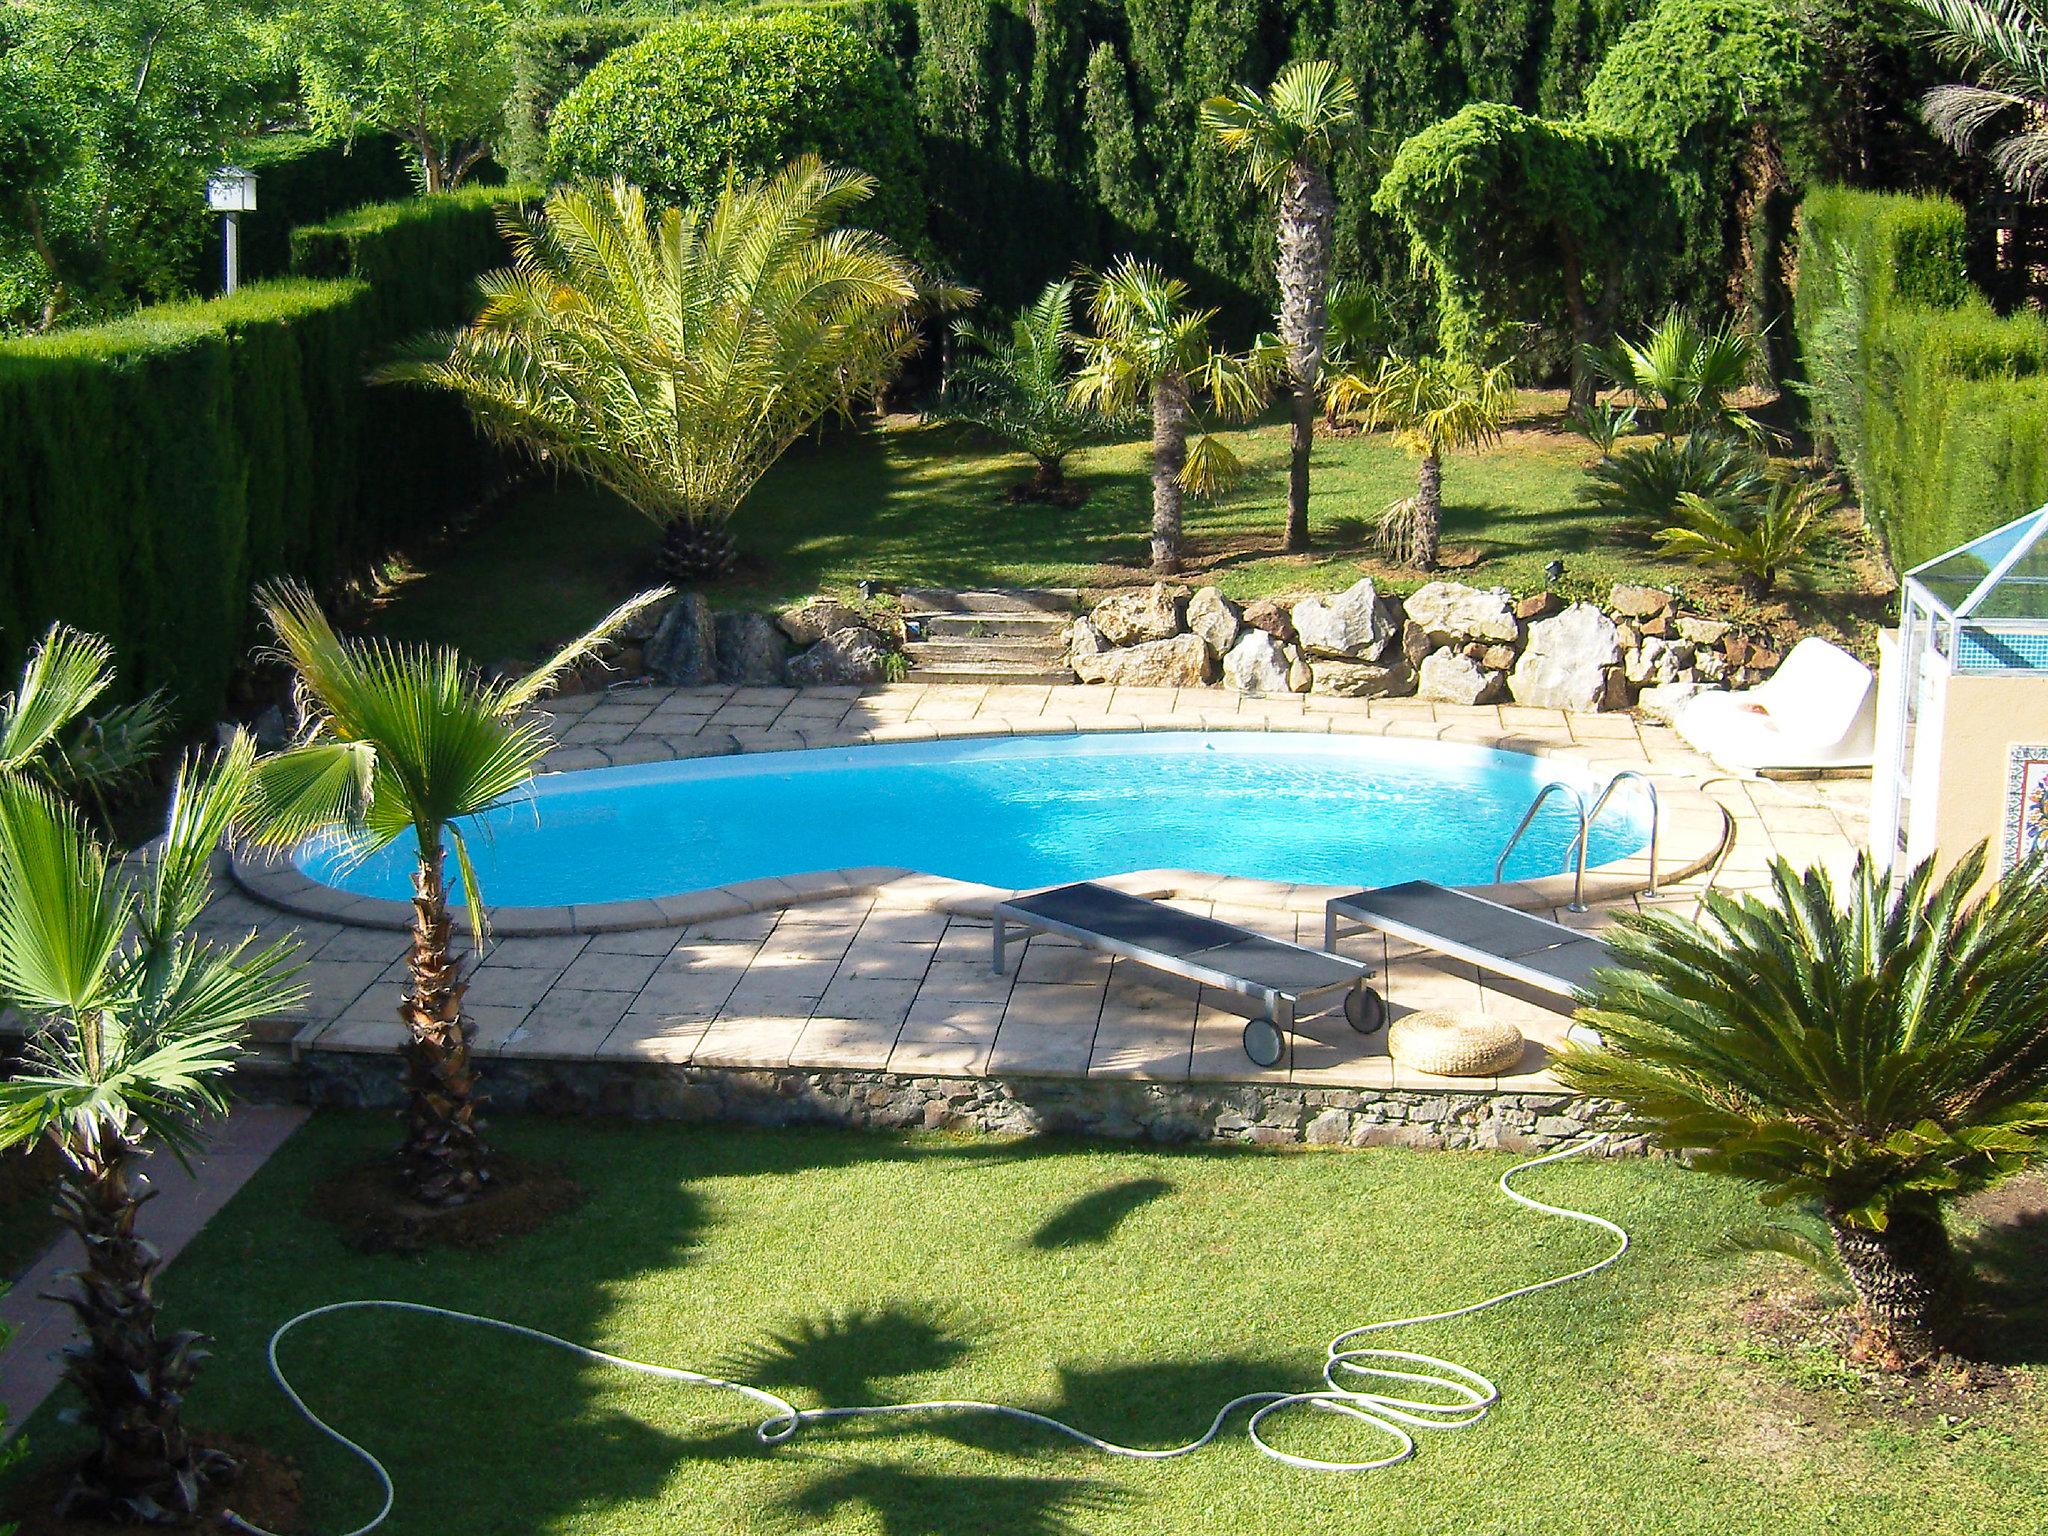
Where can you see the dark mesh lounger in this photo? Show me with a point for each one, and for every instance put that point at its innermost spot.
(1545, 955)
(1277, 975)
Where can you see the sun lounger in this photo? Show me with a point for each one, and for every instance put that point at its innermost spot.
(1277, 975)
(1541, 954)
(1818, 710)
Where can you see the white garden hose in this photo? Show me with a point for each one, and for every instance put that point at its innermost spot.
(1463, 1396)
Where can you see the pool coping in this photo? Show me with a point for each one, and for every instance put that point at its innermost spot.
(1691, 831)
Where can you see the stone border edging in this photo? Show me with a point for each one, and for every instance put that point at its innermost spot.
(1691, 829)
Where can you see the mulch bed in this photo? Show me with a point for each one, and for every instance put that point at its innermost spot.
(372, 1211)
(265, 1491)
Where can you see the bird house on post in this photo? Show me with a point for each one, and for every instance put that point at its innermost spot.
(231, 192)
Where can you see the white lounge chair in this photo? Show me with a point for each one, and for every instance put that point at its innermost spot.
(1818, 710)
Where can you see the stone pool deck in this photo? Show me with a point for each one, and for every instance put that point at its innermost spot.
(867, 996)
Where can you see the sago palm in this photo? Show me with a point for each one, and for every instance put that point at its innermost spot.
(136, 1024)
(1016, 385)
(1147, 344)
(1758, 537)
(1434, 406)
(1878, 1050)
(673, 356)
(48, 730)
(410, 741)
(1286, 138)
(2003, 44)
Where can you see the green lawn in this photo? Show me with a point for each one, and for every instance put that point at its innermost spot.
(914, 504)
(1130, 1289)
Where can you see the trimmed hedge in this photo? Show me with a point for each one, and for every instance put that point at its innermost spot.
(154, 468)
(301, 179)
(1935, 405)
(549, 57)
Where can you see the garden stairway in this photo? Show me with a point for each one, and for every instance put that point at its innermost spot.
(1011, 635)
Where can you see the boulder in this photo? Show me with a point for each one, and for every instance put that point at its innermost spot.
(846, 656)
(1352, 626)
(1452, 677)
(1449, 612)
(752, 649)
(1084, 640)
(1182, 662)
(1415, 643)
(1630, 601)
(1215, 618)
(1660, 702)
(1496, 658)
(683, 651)
(1272, 617)
(1133, 618)
(1658, 661)
(1299, 674)
(1257, 664)
(640, 628)
(1572, 661)
(1538, 605)
(812, 620)
(1391, 679)
(1699, 631)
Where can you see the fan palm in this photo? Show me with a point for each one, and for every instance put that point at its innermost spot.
(1686, 374)
(1879, 1051)
(1147, 343)
(2004, 44)
(410, 741)
(137, 1025)
(1286, 138)
(1434, 406)
(1016, 386)
(673, 356)
(47, 732)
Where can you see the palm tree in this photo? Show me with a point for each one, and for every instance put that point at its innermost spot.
(1686, 374)
(1148, 343)
(1017, 387)
(46, 731)
(1434, 407)
(1759, 536)
(408, 740)
(1286, 138)
(673, 356)
(138, 1024)
(1882, 1052)
(2004, 44)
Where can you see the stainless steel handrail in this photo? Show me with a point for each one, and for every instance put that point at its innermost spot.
(1600, 803)
(1578, 901)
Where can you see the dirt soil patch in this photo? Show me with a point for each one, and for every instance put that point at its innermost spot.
(265, 1491)
(373, 1212)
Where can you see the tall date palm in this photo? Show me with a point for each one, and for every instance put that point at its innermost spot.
(1286, 138)
(1881, 1051)
(409, 741)
(2004, 46)
(137, 1022)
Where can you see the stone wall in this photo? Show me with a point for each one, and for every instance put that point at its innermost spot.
(685, 644)
(1256, 1113)
(1445, 642)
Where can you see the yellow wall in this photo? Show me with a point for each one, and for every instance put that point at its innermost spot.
(1981, 719)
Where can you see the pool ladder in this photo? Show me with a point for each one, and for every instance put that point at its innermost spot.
(1587, 817)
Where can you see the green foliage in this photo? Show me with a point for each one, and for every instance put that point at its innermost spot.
(2004, 46)
(1646, 483)
(550, 55)
(674, 111)
(47, 729)
(303, 179)
(1686, 374)
(1758, 537)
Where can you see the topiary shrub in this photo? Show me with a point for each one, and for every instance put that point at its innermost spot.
(673, 111)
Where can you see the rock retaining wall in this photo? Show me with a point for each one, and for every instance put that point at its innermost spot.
(1445, 642)
(1256, 1113)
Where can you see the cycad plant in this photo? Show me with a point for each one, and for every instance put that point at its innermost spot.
(1647, 483)
(2004, 45)
(1434, 406)
(410, 741)
(1880, 1050)
(1759, 537)
(1286, 138)
(136, 1024)
(49, 732)
(1147, 344)
(1016, 385)
(673, 356)
(1686, 374)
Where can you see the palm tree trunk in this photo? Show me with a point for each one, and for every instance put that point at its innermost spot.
(1170, 415)
(1308, 212)
(144, 1466)
(444, 1155)
(1429, 511)
(1902, 1278)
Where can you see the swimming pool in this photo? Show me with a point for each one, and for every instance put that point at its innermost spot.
(1023, 811)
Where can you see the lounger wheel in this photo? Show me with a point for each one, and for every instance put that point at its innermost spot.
(1264, 1043)
(1365, 1010)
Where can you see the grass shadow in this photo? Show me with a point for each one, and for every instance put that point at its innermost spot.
(1095, 1216)
(2007, 1257)
(906, 1502)
(840, 1356)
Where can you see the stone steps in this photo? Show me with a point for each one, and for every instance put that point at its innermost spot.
(1061, 600)
(1013, 635)
(1035, 626)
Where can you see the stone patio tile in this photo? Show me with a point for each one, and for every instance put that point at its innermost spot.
(1601, 728)
(363, 1035)
(729, 716)
(595, 971)
(844, 912)
(507, 986)
(696, 993)
(750, 1040)
(334, 984)
(495, 1023)
(966, 982)
(1053, 1006)
(1061, 964)
(940, 1058)
(633, 941)
(1125, 1050)
(567, 1023)
(1023, 1047)
(340, 942)
(898, 926)
(793, 992)
(1326, 1066)
(886, 962)
(740, 928)
(541, 952)
(653, 1037)
(946, 709)
(855, 1045)
(1219, 1051)
(877, 1000)
(935, 1019)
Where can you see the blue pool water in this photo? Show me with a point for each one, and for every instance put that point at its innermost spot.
(1024, 811)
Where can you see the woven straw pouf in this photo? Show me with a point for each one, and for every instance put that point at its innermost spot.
(1454, 1042)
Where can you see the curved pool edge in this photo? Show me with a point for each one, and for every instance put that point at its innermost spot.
(1691, 831)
